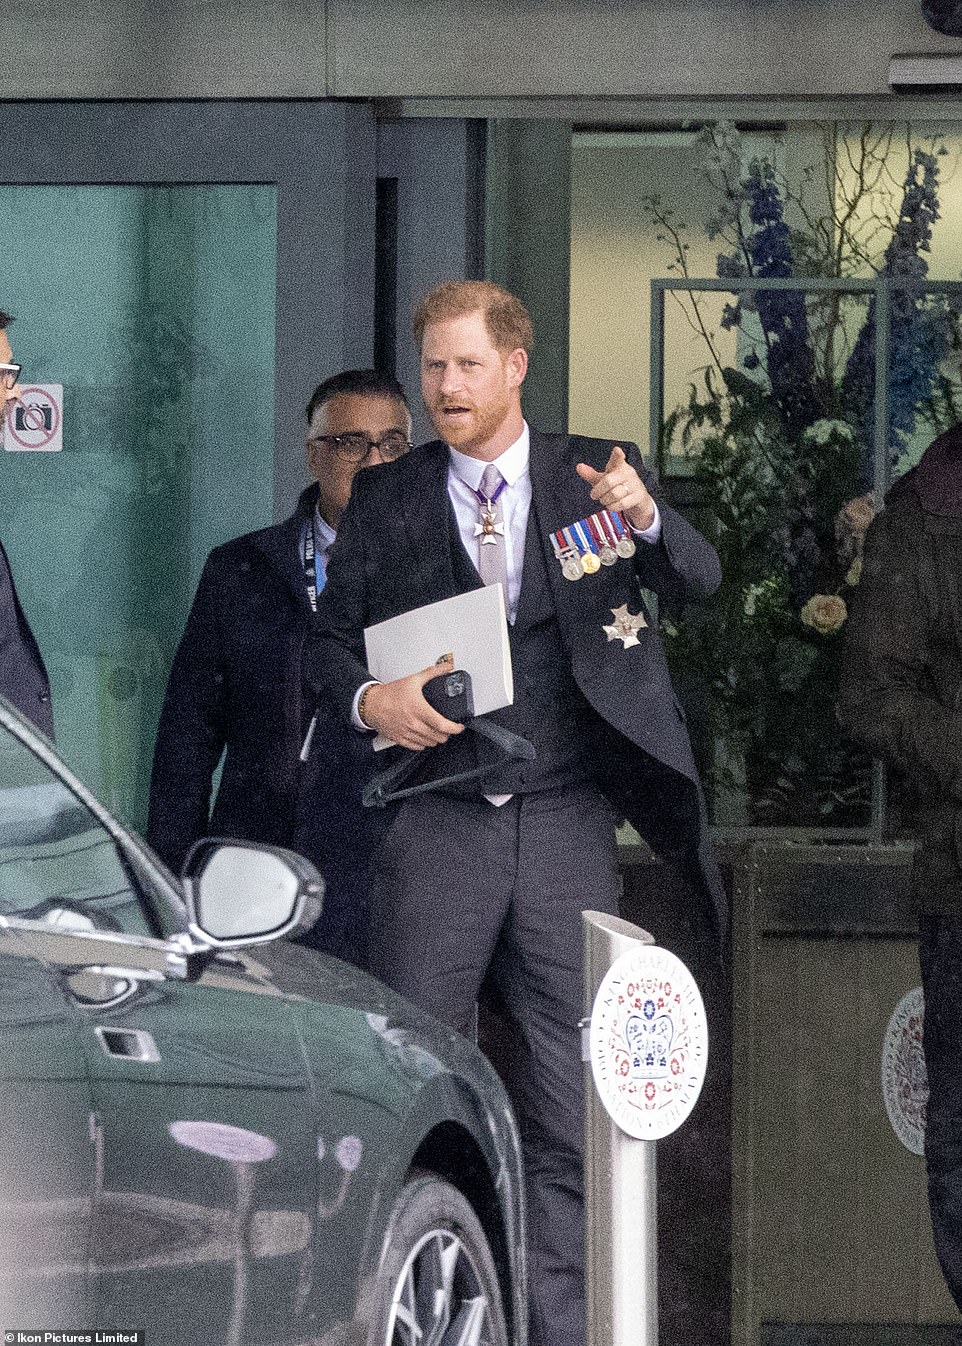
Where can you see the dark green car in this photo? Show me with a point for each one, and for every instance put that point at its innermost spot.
(212, 1135)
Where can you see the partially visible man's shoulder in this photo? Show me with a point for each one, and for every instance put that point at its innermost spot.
(899, 523)
(233, 551)
(275, 536)
(404, 473)
(903, 495)
(936, 481)
(240, 553)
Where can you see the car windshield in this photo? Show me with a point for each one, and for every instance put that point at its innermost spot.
(57, 860)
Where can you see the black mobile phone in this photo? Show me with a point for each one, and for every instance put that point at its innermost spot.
(450, 695)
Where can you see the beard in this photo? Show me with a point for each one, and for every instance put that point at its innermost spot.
(472, 429)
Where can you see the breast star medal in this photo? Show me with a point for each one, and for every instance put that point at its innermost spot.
(625, 626)
(488, 530)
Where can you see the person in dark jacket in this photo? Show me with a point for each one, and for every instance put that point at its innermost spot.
(235, 688)
(901, 697)
(23, 677)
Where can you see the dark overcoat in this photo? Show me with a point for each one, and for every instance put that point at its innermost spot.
(392, 555)
(901, 686)
(23, 675)
(236, 690)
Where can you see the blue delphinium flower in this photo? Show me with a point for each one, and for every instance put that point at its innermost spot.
(784, 321)
(767, 251)
(920, 329)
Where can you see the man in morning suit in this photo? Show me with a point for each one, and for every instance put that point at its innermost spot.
(488, 883)
(235, 687)
(23, 677)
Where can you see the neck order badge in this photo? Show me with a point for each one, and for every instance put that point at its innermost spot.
(492, 562)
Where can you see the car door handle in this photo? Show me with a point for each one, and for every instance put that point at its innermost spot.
(127, 1044)
(96, 986)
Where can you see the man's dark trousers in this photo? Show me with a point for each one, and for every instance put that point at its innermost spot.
(461, 885)
(468, 892)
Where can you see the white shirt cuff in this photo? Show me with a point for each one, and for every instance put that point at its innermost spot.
(356, 720)
(652, 533)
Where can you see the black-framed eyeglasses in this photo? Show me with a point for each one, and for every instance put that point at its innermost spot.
(354, 447)
(9, 376)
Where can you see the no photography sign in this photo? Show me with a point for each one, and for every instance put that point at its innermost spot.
(35, 423)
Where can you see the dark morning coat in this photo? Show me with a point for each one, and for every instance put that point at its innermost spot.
(23, 676)
(392, 554)
(236, 685)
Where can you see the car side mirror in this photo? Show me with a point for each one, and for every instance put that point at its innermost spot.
(248, 893)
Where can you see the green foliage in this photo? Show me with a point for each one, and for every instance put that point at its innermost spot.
(780, 447)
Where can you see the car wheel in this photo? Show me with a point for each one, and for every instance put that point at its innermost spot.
(437, 1282)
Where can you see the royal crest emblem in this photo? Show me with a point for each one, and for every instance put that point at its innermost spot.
(905, 1085)
(648, 1042)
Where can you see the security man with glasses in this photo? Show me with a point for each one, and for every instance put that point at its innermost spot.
(23, 677)
(291, 776)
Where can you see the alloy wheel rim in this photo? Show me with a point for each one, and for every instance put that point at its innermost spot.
(439, 1299)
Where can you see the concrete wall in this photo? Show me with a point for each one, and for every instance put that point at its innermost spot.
(457, 48)
(528, 232)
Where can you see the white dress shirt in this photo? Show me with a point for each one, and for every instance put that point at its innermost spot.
(323, 532)
(464, 478)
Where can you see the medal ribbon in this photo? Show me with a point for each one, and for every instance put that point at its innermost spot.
(595, 533)
(484, 499)
(607, 528)
(596, 528)
(586, 541)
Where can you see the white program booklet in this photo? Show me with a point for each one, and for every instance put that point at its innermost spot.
(473, 627)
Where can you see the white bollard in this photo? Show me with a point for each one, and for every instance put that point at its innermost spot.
(645, 1048)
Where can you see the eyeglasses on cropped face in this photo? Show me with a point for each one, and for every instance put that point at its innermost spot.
(9, 375)
(354, 447)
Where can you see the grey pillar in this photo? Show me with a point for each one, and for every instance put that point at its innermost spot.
(528, 248)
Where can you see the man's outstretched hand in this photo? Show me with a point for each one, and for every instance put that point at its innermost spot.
(620, 487)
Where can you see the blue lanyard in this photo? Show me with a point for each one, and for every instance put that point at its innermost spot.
(315, 572)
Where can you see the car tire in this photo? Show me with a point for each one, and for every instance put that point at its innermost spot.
(437, 1280)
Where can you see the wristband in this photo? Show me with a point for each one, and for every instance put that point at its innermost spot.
(361, 703)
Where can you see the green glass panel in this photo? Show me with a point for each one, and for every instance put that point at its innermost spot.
(155, 308)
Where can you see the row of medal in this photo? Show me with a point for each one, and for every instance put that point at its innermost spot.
(582, 548)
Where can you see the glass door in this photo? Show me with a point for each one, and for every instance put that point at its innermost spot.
(188, 273)
(154, 308)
